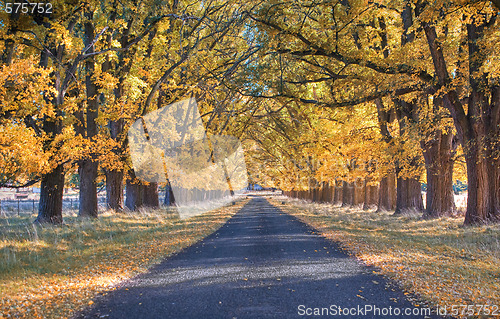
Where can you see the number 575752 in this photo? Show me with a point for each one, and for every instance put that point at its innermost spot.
(40, 7)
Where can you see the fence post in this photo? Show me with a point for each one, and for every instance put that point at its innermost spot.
(18, 212)
(33, 205)
(71, 203)
(0, 207)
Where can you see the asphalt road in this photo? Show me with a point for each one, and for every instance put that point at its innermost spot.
(262, 263)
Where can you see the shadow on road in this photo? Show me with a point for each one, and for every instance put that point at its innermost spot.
(262, 263)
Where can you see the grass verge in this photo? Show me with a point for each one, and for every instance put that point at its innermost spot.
(438, 260)
(54, 271)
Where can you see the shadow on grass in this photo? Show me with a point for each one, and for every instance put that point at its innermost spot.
(28, 248)
(438, 259)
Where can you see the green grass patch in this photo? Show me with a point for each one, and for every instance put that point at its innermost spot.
(53, 271)
(439, 260)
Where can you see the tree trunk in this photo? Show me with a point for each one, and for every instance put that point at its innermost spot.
(121, 67)
(408, 190)
(337, 197)
(494, 182)
(370, 195)
(88, 167)
(327, 193)
(169, 196)
(367, 195)
(439, 168)
(481, 134)
(387, 193)
(477, 127)
(358, 193)
(346, 194)
(134, 194)
(322, 192)
(482, 190)
(114, 190)
(10, 45)
(408, 195)
(51, 197)
(52, 184)
(373, 195)
(151, 195)
(88, 189)
(387, 185)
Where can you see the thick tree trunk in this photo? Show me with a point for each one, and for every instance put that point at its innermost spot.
(387, 185)
(494, 182)
(150, 194)
(408, 195)
(51, 197)
(359, 193)
(366, 206)
(481, 155)
(482, 190)
(328, 193)
(114, 178)
(481, 135)
(387, 193)
(371, 195)
(477, 127)
(347, 194)
(337, 197)
(134, 194)
(10, 45)
(408, 190)
(88, 167)
(114, 190)
(52, 184)
(352, 194)
(322, 192)
(477, 190)
(88, 189)
(439, 168)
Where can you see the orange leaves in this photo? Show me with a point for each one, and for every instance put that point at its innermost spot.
(22, 84)
(20, 154)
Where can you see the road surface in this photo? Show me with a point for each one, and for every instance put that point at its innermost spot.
(262, 263)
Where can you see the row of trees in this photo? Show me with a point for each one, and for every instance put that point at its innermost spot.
(320, 91)
(74, 79)
(419, 81)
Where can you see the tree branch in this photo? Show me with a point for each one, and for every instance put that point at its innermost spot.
(353, 102)
(319, 51)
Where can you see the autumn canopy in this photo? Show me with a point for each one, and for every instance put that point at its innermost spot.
(352, 101)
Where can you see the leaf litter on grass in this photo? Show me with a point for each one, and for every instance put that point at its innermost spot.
(59, 271)
(440, 261)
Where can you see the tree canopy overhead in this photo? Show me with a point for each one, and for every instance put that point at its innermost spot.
(318, 91)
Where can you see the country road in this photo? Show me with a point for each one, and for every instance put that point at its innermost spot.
(262, 263)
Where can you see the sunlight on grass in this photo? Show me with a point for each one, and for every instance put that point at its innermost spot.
(439, 260)
(53, 271)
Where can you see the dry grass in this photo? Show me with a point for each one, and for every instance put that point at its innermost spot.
(440, 261)
(53, 271)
